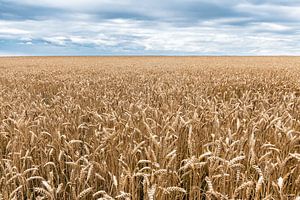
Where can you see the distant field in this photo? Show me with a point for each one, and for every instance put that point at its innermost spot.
(150, 128)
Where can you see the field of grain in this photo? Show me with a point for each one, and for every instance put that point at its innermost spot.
(150, 128)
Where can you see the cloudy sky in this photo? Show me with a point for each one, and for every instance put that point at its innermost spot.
(149, 27)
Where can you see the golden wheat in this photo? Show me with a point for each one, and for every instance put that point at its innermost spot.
(150, 128)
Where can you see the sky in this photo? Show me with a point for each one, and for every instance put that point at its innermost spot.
(149, 27)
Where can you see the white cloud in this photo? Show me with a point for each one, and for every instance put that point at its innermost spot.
(100, 39)
(57, 40)
(204, 39)
(12, 31)
(263, 28)
(272, 26)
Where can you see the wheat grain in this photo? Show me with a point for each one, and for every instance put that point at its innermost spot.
(149, 128)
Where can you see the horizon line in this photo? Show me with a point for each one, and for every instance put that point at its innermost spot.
(20, 56)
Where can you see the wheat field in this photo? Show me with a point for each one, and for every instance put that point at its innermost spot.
(150, 128)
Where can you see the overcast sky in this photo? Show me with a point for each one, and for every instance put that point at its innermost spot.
(149, 27)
